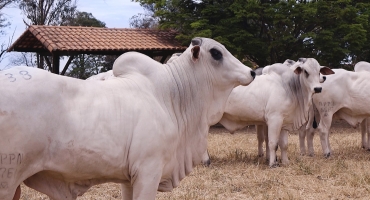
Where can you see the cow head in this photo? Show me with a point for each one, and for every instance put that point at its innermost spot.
(309, 70)
(220, 63)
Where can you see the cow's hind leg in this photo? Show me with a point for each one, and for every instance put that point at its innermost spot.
(283, 143)
(363, 128)
(324, 128)
(261, 139)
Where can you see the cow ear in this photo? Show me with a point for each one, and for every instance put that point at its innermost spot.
(326, 71)
(195, 52)
(298, 70)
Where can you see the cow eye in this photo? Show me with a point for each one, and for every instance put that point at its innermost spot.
(305, 72)
(216, 54)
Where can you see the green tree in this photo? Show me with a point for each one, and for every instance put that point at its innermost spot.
(46, 12)
(83, 65)
(3, 24)
(269, 31)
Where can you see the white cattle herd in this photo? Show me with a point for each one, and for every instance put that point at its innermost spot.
(145, 124)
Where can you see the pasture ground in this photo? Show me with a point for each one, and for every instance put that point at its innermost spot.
(237, 173)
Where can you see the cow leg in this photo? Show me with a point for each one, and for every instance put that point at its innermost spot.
(206, 161)
(265, 133)
(9, 191)
(324, 128)
(145, 185)
(261, 139)
(368, 133)
(274, 129)
(310, 133)
(302, 137)
(127, 191)
(283, 143)
(17, 194)
(363, 128)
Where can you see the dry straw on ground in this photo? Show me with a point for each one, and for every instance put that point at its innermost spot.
(237, 173)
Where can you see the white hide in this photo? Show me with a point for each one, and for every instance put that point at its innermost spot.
(347, 99)
(280, 99)
(102, 76)
(146, 129)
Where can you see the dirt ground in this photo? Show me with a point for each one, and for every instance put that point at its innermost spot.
(236, 172)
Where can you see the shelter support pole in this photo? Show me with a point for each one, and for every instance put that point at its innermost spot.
(164, 57)
(55, 63)
(48, 62)
(67, 64)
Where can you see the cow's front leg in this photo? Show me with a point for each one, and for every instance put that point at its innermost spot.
(283, 143)
(127, 191)
(274, 129)
(302, 137)
(146, 182)
(17, 194)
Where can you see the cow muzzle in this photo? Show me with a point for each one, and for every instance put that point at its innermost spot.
(317, 89)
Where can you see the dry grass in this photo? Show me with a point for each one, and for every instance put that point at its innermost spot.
(237, 173)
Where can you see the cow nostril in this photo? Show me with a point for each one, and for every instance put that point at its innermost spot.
(253, 74)
(317, 89)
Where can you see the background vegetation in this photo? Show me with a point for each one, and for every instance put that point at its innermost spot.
(258, 32)
(336, 33)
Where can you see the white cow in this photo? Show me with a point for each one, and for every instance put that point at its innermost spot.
(146, 129)
(365, 124)
(347, 99)
(262, 135)
(280, 99)
(109, 75)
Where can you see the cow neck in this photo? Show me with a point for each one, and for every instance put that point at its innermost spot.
(189, 91)
(301, 97)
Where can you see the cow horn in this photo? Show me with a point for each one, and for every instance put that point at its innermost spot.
(196, 41)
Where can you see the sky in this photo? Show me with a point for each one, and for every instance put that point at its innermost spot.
(115, 14)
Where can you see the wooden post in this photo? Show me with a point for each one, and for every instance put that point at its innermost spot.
(67, 64)
(55, 63)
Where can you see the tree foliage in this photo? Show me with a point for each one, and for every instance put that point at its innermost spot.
(269, 31)
(83, 65)
(47, 12)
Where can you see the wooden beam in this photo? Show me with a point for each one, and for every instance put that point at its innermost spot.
(48, 63)
(164, 58)
(67, 64)
(56, 59)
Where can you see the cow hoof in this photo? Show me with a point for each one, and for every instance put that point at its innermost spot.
(260, 155)
(327, 155)
(275, 165)
(367, 149)
(207, 164)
